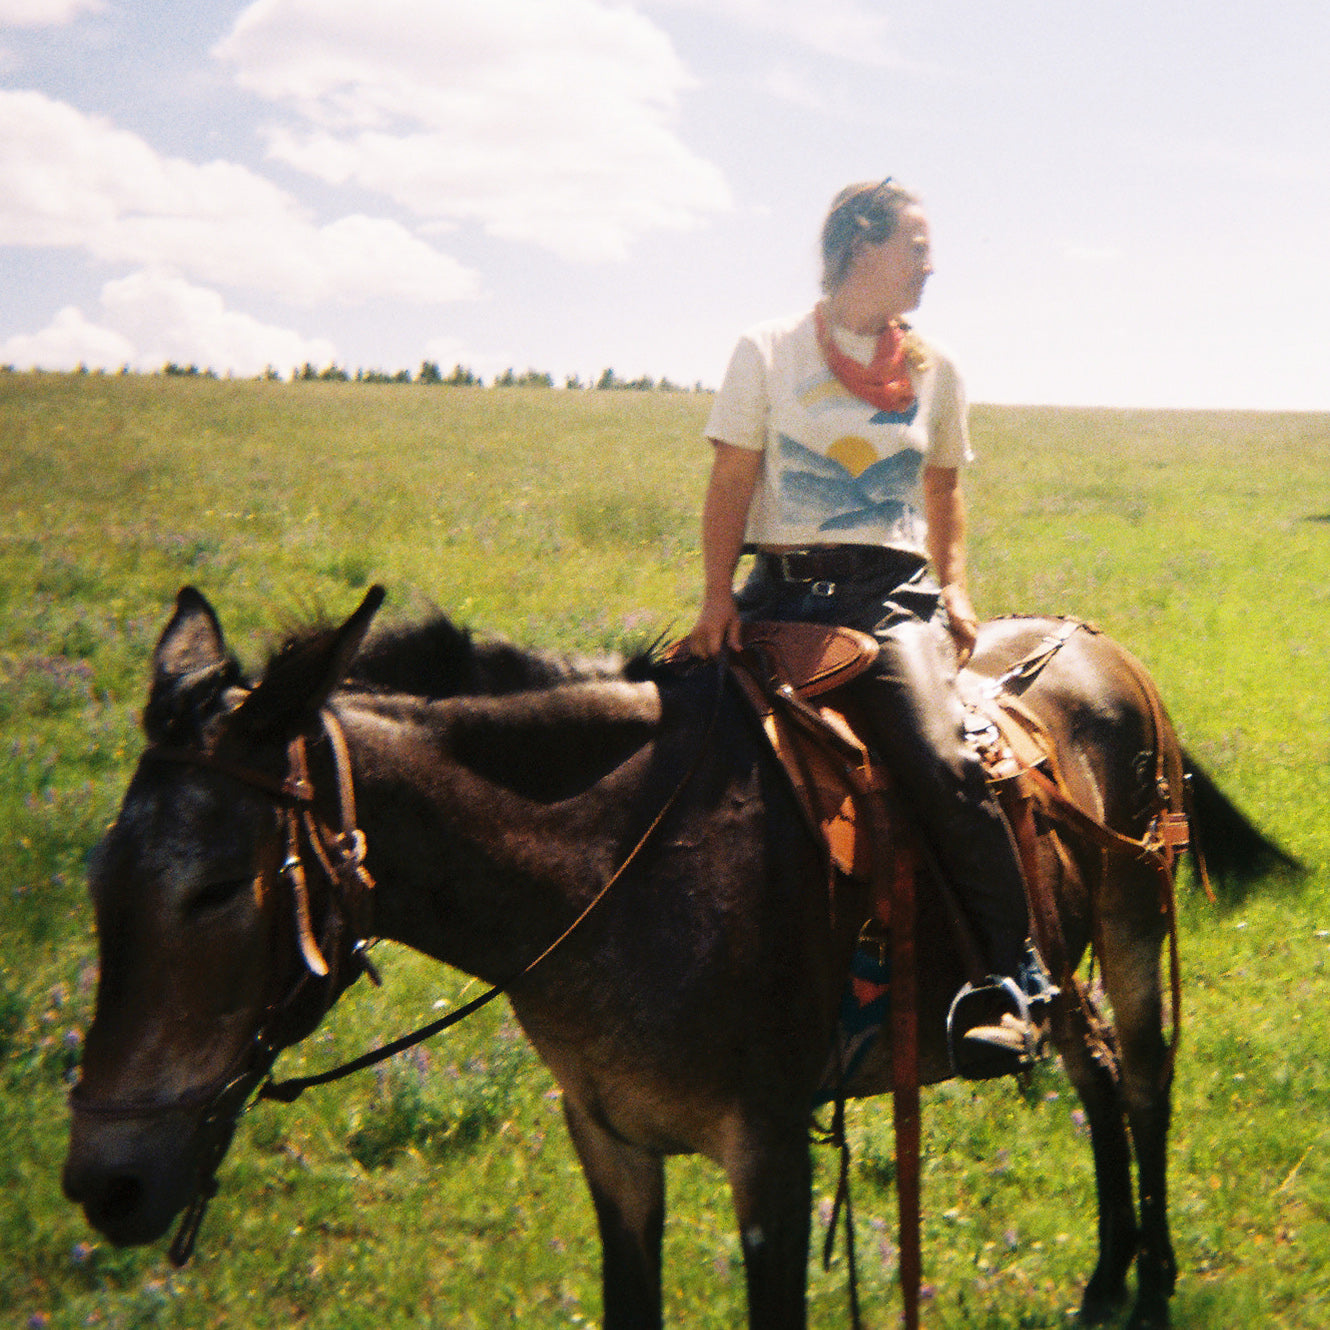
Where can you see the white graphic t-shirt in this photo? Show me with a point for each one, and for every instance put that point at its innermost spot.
(835, 470)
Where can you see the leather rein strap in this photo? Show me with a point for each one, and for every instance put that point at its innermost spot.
(289, 1090)
(893, 879)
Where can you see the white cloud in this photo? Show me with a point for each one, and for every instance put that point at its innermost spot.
(70, 340)
(150, 318)
(73, 180)
(44, 13)
(546, 121)
(803, 89)
(860, 31)
(794, 86)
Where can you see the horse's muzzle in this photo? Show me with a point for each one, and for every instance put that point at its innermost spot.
(130, 1182)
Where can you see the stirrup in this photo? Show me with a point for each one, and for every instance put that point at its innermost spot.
(990, 1030)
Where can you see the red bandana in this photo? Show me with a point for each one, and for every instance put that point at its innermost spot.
(885, 383)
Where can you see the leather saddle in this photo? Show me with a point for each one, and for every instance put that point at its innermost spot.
(797, 677)
(794, 676)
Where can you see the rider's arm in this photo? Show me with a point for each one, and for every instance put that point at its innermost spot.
(734, 474)
(944, 511)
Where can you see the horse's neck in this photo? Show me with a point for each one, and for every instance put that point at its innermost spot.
(490, 821)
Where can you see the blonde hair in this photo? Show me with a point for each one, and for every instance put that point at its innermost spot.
(863, 214)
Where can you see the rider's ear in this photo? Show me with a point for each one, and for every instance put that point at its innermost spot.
(301, 676)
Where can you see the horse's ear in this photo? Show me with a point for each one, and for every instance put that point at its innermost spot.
(300, 678)
(191, 641)
(190, 668)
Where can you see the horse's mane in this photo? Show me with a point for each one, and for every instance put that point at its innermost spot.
(436, 658)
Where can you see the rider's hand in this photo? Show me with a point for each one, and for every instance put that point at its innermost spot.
(717, 627)
(962, 622)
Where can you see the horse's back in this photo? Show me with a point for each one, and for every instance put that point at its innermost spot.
(1083, 685)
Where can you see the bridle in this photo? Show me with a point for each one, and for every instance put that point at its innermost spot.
(340, 852)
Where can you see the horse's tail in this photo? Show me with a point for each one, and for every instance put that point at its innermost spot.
(1236, 852)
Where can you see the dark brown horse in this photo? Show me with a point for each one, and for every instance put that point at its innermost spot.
(498, 792)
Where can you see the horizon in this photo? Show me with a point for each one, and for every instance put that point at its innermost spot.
(1128, 208)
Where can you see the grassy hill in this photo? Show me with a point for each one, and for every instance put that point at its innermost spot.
(441, 1192)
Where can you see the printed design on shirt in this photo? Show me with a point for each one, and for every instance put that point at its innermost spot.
(856, 491)
(825, 392)
(905, 417)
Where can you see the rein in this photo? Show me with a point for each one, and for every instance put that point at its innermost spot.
(288, 1091)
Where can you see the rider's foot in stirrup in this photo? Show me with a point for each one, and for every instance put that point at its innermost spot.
(1023, 1038)
(994, 1029)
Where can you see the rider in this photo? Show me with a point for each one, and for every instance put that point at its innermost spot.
(839, 435)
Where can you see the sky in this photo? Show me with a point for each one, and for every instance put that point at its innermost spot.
(1129, 200)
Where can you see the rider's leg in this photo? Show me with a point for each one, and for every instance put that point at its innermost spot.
(918, 725)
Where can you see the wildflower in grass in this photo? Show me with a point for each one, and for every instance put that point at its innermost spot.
(887, 1254)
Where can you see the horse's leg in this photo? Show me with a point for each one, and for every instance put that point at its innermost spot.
(1146, 1089)
(628, 1190)
(771, 1182)
(1107, 1289)
(1131, 939)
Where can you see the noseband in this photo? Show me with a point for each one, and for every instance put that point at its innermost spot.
(340, 853)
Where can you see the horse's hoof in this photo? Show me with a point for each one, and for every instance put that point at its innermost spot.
(1151, 1318)
(1098, 1308)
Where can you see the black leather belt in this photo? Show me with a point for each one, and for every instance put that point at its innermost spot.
(837, 563)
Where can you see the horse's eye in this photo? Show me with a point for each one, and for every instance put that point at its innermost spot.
(216, 895)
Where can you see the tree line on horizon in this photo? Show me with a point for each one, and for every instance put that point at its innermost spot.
(430, 375)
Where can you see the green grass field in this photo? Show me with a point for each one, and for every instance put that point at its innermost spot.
(441, 1192)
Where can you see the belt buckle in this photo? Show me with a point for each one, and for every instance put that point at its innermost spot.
(789, 573)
